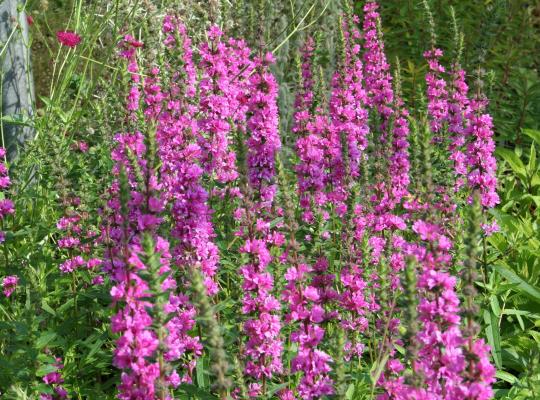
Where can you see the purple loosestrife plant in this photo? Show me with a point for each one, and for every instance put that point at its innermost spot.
(182, 171)
(138, 261)
(211, 120)
(311, 127)
(264, 347)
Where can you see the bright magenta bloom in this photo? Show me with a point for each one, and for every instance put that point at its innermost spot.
(9, 284)
(67, 38)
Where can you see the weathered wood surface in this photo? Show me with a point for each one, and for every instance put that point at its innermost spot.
(17, 81)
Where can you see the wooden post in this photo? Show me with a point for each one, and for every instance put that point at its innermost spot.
(17, 82)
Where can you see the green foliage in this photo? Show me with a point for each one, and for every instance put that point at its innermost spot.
(514, 281)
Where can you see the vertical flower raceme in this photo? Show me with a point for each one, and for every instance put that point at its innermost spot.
(376, 68)
(481, 162)
(73, 225)
(304, 96)
(478, 373)
(138, 261)
(440, 359)
(128, 47)
(311, 126)
(123, 259)
(392, 143)
(264, 346)
(439, 362)
(437, 93)
(263, 141)
(225, 66)
(458, 110)
(9, 283)
(182, 171)
(398, 163)
(312, 177)
(348, 137)
(170, 108)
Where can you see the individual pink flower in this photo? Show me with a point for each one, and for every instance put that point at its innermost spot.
(55, 380)
(9, 284)
(68, 38)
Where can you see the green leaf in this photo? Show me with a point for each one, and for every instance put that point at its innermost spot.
(378, 369)
(350, 392)
(94, 348)
(45, 339)
(199, 369)
(513, 160)
(46, 369)
(47, 308)
(521, 285)
(276, 221)
(495, 305)
(66, 306)
(532, 160)
(506, 376)
(533, 134)
(273, 389)
(197, 392)
(493, 336)
(16, 119)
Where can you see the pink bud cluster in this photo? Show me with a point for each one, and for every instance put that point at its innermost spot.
(349, 118)
(6, 205)
(437, 94)
(73, 226)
